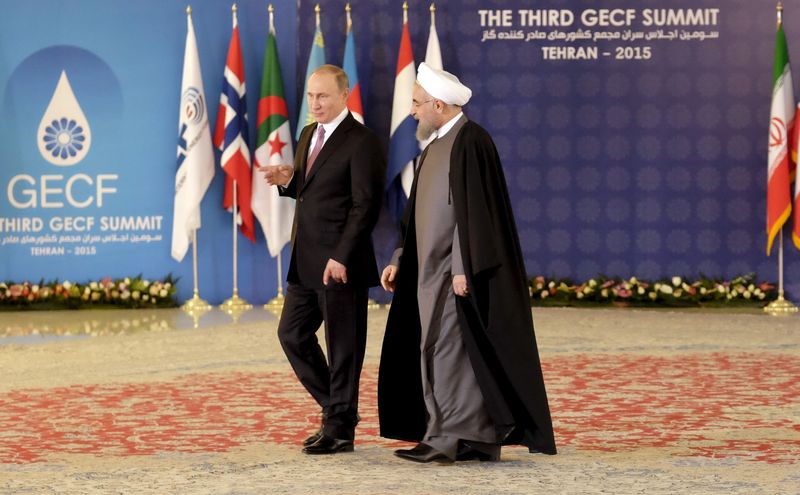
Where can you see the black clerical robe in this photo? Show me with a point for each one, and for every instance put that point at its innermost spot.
(495, 318)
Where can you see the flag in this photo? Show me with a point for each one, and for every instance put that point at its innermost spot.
(793, 146)
(796, 228)
(779, 204)
(315, 58)
(433, 57)
(433, 54)
(350, 68)
(273, 147)
(195, 154)
(403, 145)
(230, 136)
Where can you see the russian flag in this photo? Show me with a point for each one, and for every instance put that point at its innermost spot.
(349, 66)
(403, 145)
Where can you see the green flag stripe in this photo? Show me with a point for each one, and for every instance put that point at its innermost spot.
(781, 56)
(271, 85)
(265, 129)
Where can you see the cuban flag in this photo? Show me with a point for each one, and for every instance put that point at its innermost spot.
(403, 145)
(349, 66)
(230, 136)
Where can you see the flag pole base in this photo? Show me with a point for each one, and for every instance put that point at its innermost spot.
(196, 305)
(275, 305)
(235, 304)
(196, 308)
(780, 307)
(371, 304)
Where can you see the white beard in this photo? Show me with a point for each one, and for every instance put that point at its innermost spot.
(424, 131)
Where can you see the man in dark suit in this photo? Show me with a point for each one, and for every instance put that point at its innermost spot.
(337, 180)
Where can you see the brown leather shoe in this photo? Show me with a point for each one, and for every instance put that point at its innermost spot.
(327, 445)
(423, 453)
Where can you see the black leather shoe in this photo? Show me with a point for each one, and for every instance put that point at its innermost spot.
(312, 439)
(328, 445)
(466, 453)
(423, 453)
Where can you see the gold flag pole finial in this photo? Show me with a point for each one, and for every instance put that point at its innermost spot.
(433, 13)
(405, 12)
(233, 8)
(349, 20)
(271, 18)
(779, 8)
(317, 10)
(188, 10)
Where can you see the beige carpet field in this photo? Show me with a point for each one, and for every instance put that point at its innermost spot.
(151, 402)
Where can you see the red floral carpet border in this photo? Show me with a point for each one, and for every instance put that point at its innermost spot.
(698, 405)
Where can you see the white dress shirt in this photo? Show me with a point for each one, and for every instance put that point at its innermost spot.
(446, 127)
(329, 128)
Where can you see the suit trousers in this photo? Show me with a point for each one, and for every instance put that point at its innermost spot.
(333, 382)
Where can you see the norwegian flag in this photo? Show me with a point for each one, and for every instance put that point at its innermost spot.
(230, 136)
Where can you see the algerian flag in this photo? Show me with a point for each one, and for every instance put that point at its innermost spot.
(273, 147)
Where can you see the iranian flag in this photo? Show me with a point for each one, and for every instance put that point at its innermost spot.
(779, 203)
(273, 147)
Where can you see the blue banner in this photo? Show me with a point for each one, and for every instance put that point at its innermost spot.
(88, 132)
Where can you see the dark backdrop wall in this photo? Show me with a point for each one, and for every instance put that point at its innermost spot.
(648, 160)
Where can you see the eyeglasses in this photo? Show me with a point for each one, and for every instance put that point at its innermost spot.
(417, 105)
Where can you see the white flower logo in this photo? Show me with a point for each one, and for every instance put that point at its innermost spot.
(64, 136)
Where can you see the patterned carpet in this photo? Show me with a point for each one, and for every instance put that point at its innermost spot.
(642, 401)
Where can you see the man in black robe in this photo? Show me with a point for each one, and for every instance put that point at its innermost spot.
(460, 370)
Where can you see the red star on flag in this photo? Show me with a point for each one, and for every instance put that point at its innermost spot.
(276, 145)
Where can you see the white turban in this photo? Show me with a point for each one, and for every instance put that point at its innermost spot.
(442, 85)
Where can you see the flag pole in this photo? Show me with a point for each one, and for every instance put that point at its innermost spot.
(275, 305)
(235, 305)
(371, 303)
(195, 305)
(780, 306)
